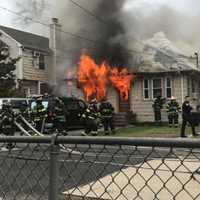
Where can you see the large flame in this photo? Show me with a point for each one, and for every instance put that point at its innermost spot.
(94, 78)
(121, 80)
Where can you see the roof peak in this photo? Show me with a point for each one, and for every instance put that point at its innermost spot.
(16, 29)
(27, 39)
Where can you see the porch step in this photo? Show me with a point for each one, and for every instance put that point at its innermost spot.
(120, 119)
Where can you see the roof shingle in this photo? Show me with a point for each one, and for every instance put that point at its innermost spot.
(28, 40)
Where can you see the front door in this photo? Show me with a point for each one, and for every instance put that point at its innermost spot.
(124, 106)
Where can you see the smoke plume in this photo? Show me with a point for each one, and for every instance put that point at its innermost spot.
(33, 9)
(121, 28)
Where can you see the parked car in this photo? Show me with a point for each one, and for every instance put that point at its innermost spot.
(18, 104)
(74, 106)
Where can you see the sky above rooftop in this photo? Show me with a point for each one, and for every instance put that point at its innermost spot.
(188, 12)
(187, 7)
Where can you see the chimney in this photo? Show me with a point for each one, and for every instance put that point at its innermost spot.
(55, 34)
(55, 45)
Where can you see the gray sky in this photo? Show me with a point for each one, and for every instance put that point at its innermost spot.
(187, 7)
(178, 19)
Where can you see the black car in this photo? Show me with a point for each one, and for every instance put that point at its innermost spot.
(74, 107)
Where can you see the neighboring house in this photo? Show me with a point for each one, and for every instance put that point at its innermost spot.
(34, 52)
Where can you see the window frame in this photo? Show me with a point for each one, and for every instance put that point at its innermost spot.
(37, 60)
(41, 65)
(193, 88)
(148, 89)
(152, 86)
(166, 87)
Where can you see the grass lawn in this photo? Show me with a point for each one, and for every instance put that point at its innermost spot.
(152, 131)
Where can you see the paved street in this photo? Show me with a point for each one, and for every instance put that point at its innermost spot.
(24, 171)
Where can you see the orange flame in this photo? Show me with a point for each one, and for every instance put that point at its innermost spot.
(94, 78)
(121, 80)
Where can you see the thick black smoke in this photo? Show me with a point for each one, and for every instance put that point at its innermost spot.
(107, 29)
(112, 47)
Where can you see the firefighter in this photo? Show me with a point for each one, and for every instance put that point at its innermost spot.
(187, 117)
(59, 116)
(91, 117)
(157, 106)
(7, 125)
(39, 114)
(107, 112)
(173, 110)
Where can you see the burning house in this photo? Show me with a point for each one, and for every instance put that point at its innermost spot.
(162, 70)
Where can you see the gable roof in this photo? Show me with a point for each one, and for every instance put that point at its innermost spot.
(28, 40)
(161, 55)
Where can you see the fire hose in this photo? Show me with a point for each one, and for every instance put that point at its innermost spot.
(30, 126)
(21, 128)
(35, 131)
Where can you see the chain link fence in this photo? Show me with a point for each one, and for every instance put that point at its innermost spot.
(61, 168)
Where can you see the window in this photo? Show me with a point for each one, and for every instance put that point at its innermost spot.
(156, 87)
(193, 86)
(38, 60)
(188, 86)
(41, 62)
(168, 87)
(146, 89)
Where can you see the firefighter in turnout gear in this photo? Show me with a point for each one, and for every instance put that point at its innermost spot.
(107, 111)
(157, 107)
(7, 125)
(187, 117)
(39, 114)
(173, 110)
(91, 118)
(59, 116)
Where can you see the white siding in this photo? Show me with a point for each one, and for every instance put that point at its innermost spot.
(30, 72)
(143, 108)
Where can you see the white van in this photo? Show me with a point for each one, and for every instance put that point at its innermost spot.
(16, 103)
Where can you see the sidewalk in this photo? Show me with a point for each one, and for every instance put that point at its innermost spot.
(145, 180)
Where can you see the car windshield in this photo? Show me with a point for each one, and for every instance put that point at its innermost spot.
(44, 103)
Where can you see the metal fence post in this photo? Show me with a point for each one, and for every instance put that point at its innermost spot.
(54, 169)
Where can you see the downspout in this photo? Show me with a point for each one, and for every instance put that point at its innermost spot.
(19, 66)
(20, 72)
(39, 84)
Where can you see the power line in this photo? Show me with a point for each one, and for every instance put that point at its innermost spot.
(47, 25)
(88, 11)
(104, 22)
(66, 32)
(100, 43)
(81, 37)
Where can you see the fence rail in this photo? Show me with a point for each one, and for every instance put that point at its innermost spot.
(60, 168)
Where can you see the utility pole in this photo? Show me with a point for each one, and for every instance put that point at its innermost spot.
(197, 59)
